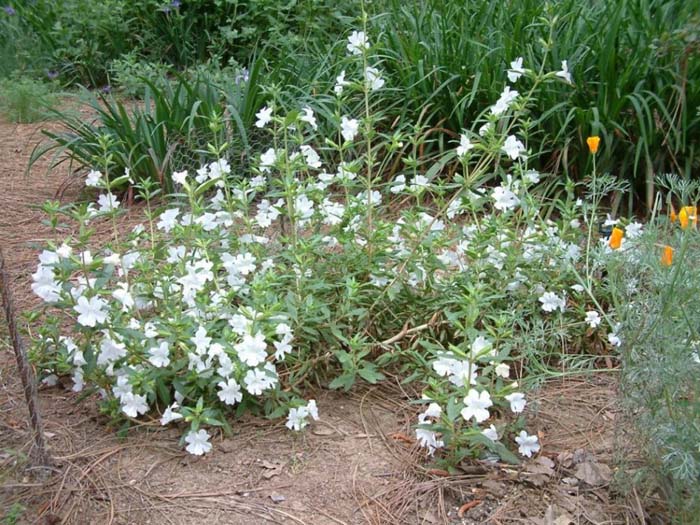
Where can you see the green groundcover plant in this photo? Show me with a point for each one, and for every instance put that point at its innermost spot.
(657, 295)
(240, 288)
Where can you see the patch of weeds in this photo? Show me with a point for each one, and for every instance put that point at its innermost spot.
(13, 514)
(24, 100)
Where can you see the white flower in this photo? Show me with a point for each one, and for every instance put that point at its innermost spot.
(517, 401)
(201, 341)
(257, 381)
(551, 301)
(502, 370)
(180, 177)
(614, 339)
(170, 415)
(175, 254)
(64, 251)
(374, 78)
(507, 97)
(349, 128)
(477, 405)
(357, 42)
(633, 229)
(429, 439)
(242, 263)
(267, 160)
(504, 198)
(198, 442)
(230, 392)
(45, 285)
(564, 73)
(296, 420)
(527, 445)
(464, 145)
(531, 176)
(121, 294)
(309, 117)
(168, 219)
(90, 311)
(479, 347)
(593, 319)
(108, 202)
(491, 433)
(160, 356)
(122, 387)
(516, 69)
(133, 404)
(513, 147)
(340, 83)
(94, 179)
(78, 382)
(264, 117)
(332, 211)
(267, 213)
(311, 157)
(312, 409)
(252, 350)
(399, 184)
(110, 351)
(577, 288)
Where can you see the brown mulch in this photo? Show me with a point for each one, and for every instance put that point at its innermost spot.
(359, 464)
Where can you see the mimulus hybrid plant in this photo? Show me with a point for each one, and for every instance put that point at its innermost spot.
(244, 286)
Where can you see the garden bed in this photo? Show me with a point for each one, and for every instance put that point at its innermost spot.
(359, 464)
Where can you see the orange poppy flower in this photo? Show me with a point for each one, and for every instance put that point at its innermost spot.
(672, 214)
(667, 256)
(616, 238)
(593, 143)
(688, 214)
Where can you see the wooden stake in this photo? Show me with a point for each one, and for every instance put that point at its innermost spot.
(39, 454)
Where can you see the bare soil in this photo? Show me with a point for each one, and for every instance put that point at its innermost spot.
(359, 464)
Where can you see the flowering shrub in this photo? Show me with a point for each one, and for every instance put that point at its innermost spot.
(316, 266)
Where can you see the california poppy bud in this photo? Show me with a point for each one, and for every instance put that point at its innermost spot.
(616, 238)
(667, 256)
(593, 143)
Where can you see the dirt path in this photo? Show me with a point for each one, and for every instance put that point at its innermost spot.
(358, 465)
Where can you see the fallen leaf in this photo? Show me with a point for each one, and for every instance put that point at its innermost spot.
(582, 455)
(272, 469)
(467, 506)
(322, 431)
(539, 472)
(438, 472)
(431, 517)
(557, 516)
(565, 459)
(400, 436)
(593, 473)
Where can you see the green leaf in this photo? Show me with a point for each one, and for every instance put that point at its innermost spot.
(344, 381)
(369, 373)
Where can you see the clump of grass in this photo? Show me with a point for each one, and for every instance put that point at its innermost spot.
(25, 100)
